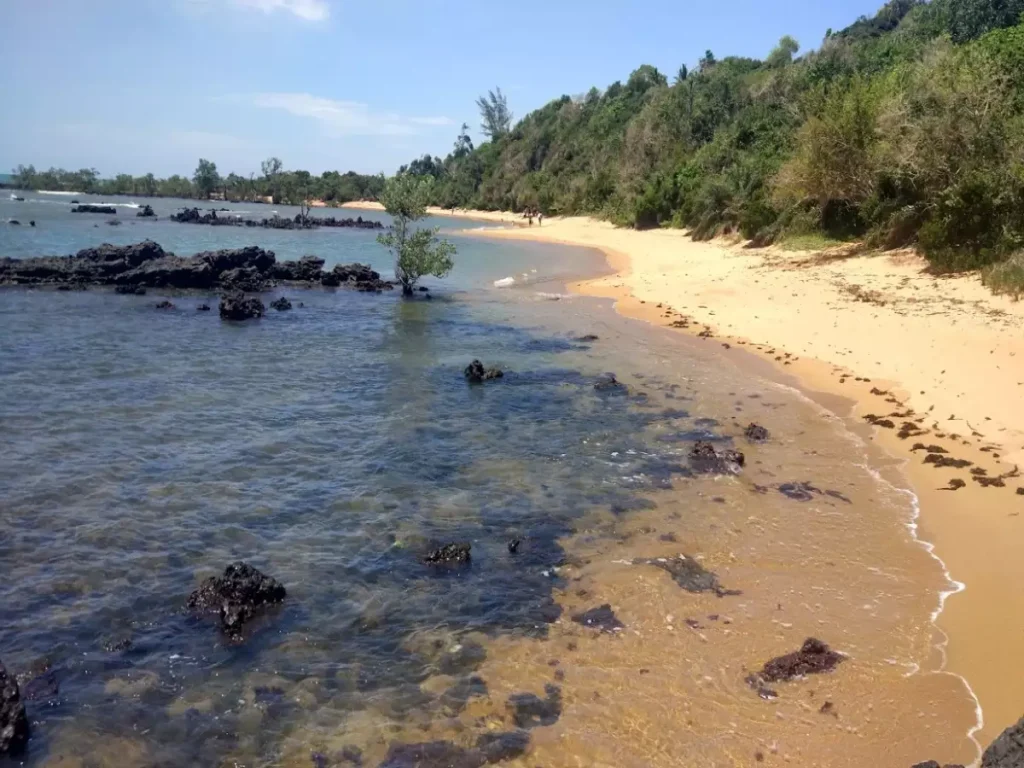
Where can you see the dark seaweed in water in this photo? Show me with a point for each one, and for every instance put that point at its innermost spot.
(529, 710)
(688, 574)
(602, 618)
(813, 658)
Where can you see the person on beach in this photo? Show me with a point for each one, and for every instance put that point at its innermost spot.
(540, 219)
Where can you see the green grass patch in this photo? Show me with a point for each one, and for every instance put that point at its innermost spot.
(810, 242)
(1006, 277)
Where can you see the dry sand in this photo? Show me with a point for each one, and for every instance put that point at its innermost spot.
(946, 356)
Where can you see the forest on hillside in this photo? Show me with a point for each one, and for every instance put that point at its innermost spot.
(905, 128)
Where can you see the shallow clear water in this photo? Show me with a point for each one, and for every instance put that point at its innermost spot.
(331, 446)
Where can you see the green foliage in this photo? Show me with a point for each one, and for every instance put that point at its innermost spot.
(1006, 277)
(782, 54)
(970, 19)
(494, 114)
(417, 253)
(205, 178)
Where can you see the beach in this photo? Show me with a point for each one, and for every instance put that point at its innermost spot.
(947, 356)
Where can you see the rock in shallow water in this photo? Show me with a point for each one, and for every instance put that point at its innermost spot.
(236, 596)
(688, 574)
(450, 554)
(281, 305)
(755, 433)
(813, 658)
(13, 722)
(475, 373)
(602, 618)
(236, 306)
(706, 459)
(529, 710)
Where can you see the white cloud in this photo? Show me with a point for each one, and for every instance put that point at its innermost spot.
(347, 118)
(310, 10)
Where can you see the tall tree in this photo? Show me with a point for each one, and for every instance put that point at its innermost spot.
(494, 114)
(206, 178)
(782, 54)
(420, 252)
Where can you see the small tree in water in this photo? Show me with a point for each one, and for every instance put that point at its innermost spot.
(420, 252)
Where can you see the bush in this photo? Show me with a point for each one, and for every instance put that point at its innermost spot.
(1006, 277)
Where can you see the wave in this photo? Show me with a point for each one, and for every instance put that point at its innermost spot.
(505, 282)
(54, 192)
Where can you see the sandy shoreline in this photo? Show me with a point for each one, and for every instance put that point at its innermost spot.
(947, 356)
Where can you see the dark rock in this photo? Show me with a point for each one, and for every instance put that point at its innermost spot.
(165, 305)
(609, 385)
(118, 646)
(457, 697)
(813, 658)
(507, 745)
(755, 433)
(236, 306)
(423, 289)
(450, 554)
(587, 339)
(194, 216)
(706, 459)
(1020, 491)
(245, 279)
(357, 276)
(475, 373)
(307, 269)
(529, 710)
(1007, 751)
(131, 290)
(109, 210)
(434, 754)
(32, 223)
(146, 212)
(236, 596)
(281, 305)
(688, 574)
(14, 223)
(13, 722)
(602, 618)
(203, 308)
(513, 546)
(113, 223)
(928, 448)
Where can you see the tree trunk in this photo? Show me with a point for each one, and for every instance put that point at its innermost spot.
(407, 290)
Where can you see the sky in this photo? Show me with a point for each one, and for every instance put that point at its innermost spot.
(138, 86)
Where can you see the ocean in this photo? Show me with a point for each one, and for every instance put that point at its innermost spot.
(334, 445)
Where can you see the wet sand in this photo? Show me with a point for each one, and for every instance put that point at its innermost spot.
(844, 327)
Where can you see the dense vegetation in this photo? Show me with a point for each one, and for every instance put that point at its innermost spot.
(274, 184)
(907, 127)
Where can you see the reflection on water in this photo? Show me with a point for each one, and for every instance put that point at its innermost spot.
(332, 446)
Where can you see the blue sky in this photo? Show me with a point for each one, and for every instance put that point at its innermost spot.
(132, 86)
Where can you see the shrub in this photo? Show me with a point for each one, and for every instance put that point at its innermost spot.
(1006, 277)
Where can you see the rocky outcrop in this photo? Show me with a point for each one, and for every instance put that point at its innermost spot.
(475, 373)
(146, 212)
(238, 306)
(236, 596)
(147, 265)
(281, 305)
(109, 210)
(307, 269)
(357, 276)
(195, 216)
(13, 722)
(813, 658)
(602, 618)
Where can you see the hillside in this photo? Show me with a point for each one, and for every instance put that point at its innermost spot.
(903, 128)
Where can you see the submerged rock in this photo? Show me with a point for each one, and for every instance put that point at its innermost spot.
(203, 308)
(165, 305)
(109, 210)
(13, 722)
(450, 554)
(587, 338)
(813, 658)
(432, 754)
(688, 574)
(281, 305)
(146, 212)
(236, 596)
(236, 306)
(602, 618)
(755, 433)
(475, 373)
(507, 745)
(706, 459)
(609, 385)
(529, 710)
